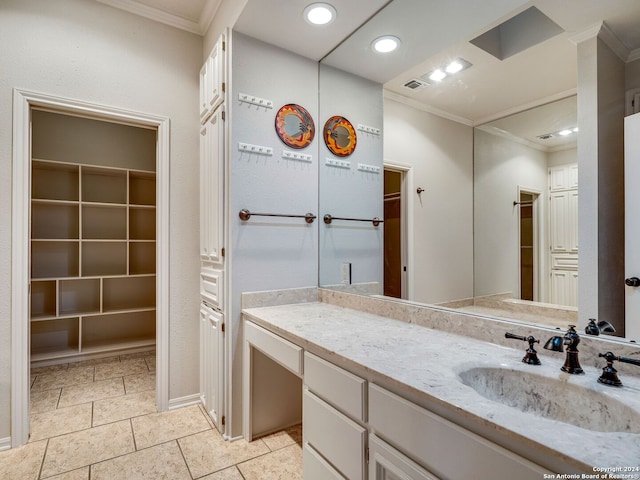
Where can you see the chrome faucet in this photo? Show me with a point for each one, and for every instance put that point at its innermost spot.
(571, 340)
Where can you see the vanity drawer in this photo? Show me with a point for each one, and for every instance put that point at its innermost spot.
(282, 351)
(317, 468)
(337, 386)
(440, 446)
(336, 437)
(211, 286)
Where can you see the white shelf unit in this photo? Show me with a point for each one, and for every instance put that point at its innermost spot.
(93, 259)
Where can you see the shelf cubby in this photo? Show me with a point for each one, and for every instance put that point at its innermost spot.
(127, 293)
(54, 181)
(103, 222)
(118, 329)
(101, 259)
(142, 258)
(43, 298)
(104, 185)
(142, 188)
(54, 221)
(57, 337)
(79, 296)
(51, 259)
(93, 259)
(142, 223)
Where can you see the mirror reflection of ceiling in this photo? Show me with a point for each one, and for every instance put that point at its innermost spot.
(433, 31)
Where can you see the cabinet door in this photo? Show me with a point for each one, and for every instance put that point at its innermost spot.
(212, 79)
(212, 188)
(386, 463)
(212, 363)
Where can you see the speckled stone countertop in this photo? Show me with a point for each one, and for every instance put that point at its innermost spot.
(427, 364)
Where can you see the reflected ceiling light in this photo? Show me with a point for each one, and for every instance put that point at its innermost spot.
(320, 13)
(437, 75)
(386, 44)
(564, 133)
(575, 130)
(457, 65)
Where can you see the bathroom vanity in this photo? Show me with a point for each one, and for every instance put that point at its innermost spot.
(388, 398)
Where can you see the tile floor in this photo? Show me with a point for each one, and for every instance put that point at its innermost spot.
(97, 420)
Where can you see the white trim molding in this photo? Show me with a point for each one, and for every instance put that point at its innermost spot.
(23, 101)
(5, 444)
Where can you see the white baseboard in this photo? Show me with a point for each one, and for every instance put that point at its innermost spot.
(5, 443)
(184, 401)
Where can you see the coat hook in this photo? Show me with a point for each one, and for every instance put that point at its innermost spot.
(419, 190)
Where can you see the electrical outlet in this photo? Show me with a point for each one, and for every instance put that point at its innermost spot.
(346, 273)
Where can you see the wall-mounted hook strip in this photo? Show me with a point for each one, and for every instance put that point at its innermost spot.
(419, 190)
(329, 218)
(246, 215)
(522, 203)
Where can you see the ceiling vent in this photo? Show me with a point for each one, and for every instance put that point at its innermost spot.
(546, 136)
(415, 84)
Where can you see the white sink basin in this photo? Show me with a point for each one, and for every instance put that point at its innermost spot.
(553, 398)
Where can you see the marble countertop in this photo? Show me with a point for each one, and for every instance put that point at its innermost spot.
(427, 364)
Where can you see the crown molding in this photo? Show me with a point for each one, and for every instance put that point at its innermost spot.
(160, 16)
(425, 108)
(608, 36)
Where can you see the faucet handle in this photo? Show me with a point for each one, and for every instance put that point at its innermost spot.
(531, 356)
(609, 374)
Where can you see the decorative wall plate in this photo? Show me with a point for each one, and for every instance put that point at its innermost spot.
(295, 126)
(340, 136)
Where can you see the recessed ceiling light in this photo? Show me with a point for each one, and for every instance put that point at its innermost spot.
(386, 44)
(320, 13)
(575, 129)
(437, 75)
(454, 67)
(564, 133)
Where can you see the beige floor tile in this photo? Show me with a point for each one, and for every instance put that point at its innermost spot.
(290, 436)
(49, 369)
(92, 362)
(58, 422)
(151, 362)
(161, 427)
(227, 474)
(283, 464)
(118, 369)
(137, 355)
(79, 449)
(22, 463)
(88, 392)
(44, 400)
(80, 474)
(139, 382)
(162, 462)
(63, 378)
(125, 406)
(208, 452)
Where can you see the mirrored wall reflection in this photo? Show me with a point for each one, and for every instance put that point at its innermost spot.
(526, 215)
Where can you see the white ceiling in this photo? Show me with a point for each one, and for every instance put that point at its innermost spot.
(431, 31)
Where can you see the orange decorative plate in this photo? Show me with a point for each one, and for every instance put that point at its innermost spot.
(340, 136)
(295, 126)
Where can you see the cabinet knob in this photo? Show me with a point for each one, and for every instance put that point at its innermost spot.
(632, 282)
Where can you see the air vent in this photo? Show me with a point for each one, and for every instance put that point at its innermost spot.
(546, 136)
(415, 84)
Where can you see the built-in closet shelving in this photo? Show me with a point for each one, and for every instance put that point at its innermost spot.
(93, 259)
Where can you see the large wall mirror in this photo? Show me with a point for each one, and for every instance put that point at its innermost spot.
(490, 157)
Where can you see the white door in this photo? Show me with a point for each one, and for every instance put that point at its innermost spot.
(632, 225)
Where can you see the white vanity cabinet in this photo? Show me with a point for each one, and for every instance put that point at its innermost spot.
(436, 443)
(387, 463)
(334, 409)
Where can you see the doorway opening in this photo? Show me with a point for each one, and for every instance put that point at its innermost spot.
(394, 233)
(90, 264)
(528, 245)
